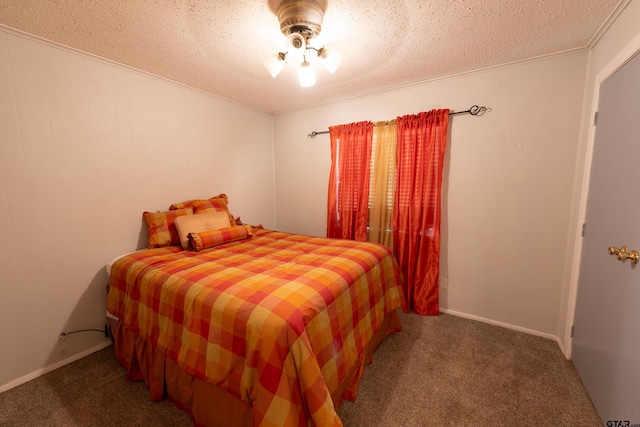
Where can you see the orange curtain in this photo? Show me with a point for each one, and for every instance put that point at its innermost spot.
(348, 209)
(416, 219)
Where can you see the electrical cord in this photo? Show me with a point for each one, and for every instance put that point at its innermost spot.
(104, 331)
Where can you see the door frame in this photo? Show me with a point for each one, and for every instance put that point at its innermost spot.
(622, 57)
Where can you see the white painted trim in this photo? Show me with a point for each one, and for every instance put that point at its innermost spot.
(19, 33)
(69, 49)
(274, 180)
(37, 373)
(608, 22)
(628, 52)
(562, 347)
(504, 325)
(490, 68)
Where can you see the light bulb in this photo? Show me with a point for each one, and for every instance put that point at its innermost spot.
(306, 75)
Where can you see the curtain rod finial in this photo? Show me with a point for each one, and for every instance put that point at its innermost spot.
(315, 132)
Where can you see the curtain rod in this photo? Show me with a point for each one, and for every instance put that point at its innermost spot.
(474, 110)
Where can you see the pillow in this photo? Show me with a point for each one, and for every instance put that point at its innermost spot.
(198, 223)
(162, 229)
(214, 204)
(211, 238)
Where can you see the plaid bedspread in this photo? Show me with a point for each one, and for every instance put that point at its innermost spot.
(277, 320)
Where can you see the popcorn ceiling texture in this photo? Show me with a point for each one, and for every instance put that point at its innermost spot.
(218, 46)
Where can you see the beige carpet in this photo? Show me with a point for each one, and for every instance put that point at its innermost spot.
(440, 371)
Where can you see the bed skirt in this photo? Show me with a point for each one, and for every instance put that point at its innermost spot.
(207, 404)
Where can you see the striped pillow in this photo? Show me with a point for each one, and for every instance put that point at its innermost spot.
(162, 229)
(211, 238)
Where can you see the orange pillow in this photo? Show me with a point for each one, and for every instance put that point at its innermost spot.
(211, 238)
(214, 204)
(162, 229)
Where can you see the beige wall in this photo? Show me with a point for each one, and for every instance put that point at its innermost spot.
(85, 147)
(508, 182)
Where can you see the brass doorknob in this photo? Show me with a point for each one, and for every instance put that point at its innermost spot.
(623, 254)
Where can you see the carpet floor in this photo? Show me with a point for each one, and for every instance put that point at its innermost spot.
(439, 371)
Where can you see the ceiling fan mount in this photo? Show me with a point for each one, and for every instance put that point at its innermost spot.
(300, 17)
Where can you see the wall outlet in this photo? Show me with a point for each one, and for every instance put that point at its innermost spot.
(444, 282)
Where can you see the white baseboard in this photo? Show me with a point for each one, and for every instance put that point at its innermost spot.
(53, 367)
(508, 326)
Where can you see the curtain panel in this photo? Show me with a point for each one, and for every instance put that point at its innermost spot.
(383, 183)
(417, 206)
(348, 199)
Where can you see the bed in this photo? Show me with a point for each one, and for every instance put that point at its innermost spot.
(266, 329)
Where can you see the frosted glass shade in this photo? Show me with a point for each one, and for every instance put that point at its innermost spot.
(330, 59)
(274, 64)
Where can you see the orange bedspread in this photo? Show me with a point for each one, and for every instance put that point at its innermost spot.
(277, 320)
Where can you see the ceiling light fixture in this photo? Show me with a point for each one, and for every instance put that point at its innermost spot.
(300, 21)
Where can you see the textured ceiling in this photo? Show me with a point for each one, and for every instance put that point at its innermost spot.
(218, 46)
